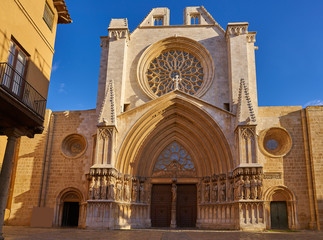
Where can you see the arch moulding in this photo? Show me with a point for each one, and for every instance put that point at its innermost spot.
(175, 119)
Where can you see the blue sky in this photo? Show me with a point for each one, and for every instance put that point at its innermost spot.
(289, 61)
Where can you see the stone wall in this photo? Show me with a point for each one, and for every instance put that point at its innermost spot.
(64, 171)
(290, 169)
(314, 117)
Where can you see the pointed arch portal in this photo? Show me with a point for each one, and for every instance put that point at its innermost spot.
(179, 120)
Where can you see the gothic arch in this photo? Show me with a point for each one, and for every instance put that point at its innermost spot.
(175, 119)
(281, 193)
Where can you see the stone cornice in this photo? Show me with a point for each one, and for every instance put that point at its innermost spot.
(236, 29)
(251, 37)
(119, 33)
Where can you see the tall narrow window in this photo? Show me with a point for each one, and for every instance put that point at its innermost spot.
(15, 69)
(48, 16)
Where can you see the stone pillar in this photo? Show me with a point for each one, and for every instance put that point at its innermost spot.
(6, 173)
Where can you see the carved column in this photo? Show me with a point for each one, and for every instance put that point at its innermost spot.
(173, 211)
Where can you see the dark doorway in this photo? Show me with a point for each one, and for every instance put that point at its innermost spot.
(70, 214)
(161, 204)
(186, 205)
(278, 215)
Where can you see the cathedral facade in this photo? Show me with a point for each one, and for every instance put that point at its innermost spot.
(177, 139)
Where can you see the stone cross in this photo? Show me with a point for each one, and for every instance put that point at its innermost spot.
(176, 80)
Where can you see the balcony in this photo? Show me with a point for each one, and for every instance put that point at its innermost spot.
(18, 88)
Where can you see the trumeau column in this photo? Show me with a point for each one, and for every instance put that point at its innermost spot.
(241, 57)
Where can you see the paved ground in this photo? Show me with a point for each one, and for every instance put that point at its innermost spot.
(13, 233)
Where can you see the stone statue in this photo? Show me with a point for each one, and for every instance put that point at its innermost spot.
(174, 192)
(199, 192)
(141, 192)
(126, 192)
(104, 187)
(247, 188)
(91, 188)
(240, 187)
(215, 192)
(253, 187)
(119, 192)
(259, 188)
(223, 192)
(207, 193)
(111, 190)
(134, 192)
(97, 188)
(230, 191)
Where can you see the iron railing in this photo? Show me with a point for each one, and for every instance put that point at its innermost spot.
(19, 88)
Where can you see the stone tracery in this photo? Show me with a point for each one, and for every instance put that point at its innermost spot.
(173, 64)
(174, 158)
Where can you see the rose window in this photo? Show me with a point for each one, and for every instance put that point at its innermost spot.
(175, 69)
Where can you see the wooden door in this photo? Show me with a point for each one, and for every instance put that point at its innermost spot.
(186, 205)
(161, 205)
(278, 215)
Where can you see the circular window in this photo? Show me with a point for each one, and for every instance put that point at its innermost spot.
(275, 142)
(175, 67)
(73, 145)
(175, 63)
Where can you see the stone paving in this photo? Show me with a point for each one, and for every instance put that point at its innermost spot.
(13, 233)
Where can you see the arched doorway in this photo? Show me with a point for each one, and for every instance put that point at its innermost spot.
(280, 208)
(69, 208)
(174, 204)
(203, 151)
